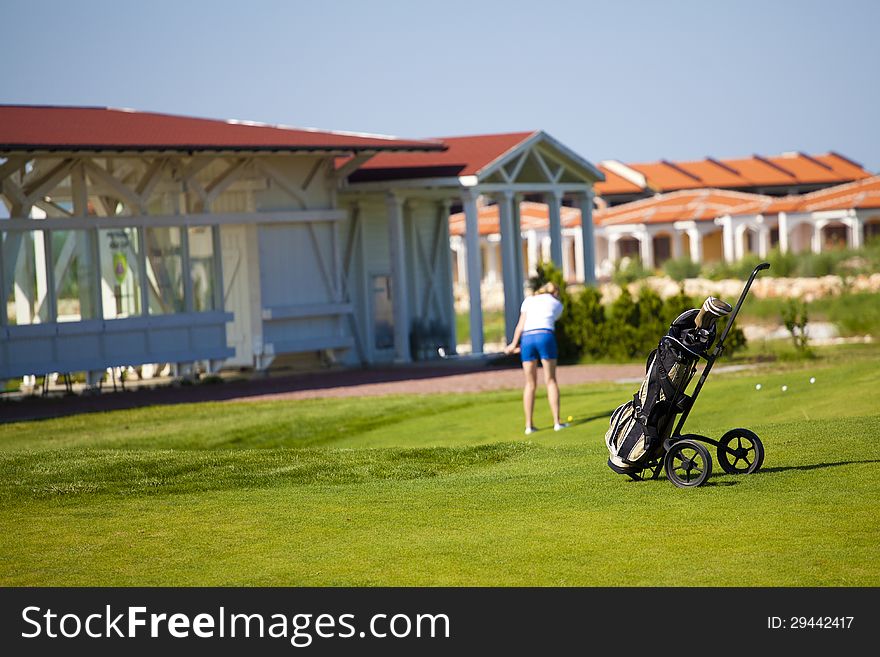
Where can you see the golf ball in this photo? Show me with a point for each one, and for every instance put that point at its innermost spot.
(812, 379)
(570, 418)
(784, 388)
(757, 386)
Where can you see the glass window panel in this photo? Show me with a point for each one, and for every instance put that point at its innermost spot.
(165, 270)
(120, 273)
(74, 265)
(24, 276)
(201, 267)
(383, 313)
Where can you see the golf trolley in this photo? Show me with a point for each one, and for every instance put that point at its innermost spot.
(684, 457)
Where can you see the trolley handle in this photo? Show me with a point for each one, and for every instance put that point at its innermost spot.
(742, 297)
(716, 352)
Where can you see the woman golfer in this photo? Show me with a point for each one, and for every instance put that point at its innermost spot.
(537, 320)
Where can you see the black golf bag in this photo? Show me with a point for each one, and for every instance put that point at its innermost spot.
(639, 427)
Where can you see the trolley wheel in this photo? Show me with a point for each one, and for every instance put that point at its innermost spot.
(740, 451)
(688, 463)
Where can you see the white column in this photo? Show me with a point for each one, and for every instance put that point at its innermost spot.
(461, 261)
(587, 250)
(675, 243)
(474, 268)
(646, 249)
(545, 248)
(695, 237)
(816, 242)
(579, 257)
(511, 241)
(856, 232)
(763, 241)
(727, 239)
(554, 203)
(533, 246)
(782, 227)
(738, 247)
(491, 261)
(567, 266)
(613, 248)
(399, 296)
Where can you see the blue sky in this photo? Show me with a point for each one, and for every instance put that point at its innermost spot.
(628, 80)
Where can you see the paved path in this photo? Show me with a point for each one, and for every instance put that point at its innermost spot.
(422, 379)
(492, 378)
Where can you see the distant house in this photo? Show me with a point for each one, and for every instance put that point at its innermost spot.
(709, 210)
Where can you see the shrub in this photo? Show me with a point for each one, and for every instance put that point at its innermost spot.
(678, 269)
(795, 318)
(676, 305)
(650, 321)
(782, 264)
(628, 270)
(817, 264)
(585, 324)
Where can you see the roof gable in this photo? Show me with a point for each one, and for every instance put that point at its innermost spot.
(491, 158)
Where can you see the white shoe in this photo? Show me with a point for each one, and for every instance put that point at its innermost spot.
(560, 427)
(530, 430)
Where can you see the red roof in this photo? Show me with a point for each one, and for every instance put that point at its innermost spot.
(788, 169)
(26, 127)
(466, 156)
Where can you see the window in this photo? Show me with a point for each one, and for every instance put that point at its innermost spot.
(24, 277)
(164, 270)
(120, 272)
(201, 267)
(74, 265)
(383, 313)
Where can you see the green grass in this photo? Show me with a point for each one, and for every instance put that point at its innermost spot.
(444, 490)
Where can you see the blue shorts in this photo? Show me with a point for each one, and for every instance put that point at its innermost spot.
(540, 343)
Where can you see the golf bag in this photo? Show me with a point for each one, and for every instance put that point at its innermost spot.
(639, 426)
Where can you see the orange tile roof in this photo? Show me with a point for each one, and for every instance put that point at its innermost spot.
(666, 175)
(697, 205)
(531, 215)
(615, 184)
(465, 156)
(788, 169)
(863, 193)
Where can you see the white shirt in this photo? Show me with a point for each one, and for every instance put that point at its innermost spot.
(542, 311)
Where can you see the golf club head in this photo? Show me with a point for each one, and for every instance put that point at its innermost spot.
(710, 311)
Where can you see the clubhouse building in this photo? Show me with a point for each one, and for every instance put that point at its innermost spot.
(133, 238)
